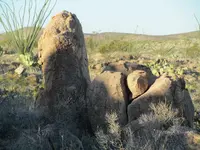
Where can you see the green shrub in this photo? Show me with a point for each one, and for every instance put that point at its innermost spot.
(24, 25)
(7, 43)
(117, 45)
(91, 43)
(114, 46)
(163, 66)
(27, 59)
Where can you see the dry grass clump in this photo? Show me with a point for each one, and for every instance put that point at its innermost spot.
(152, 132)
(163, 112)
(111, 140)
(162, 115)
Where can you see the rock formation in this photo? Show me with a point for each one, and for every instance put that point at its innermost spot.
(64, 61)
(166, 90)
(125, 88)
(140, 88)
(127, 67)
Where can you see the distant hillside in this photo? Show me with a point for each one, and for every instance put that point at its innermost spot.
(130, 36)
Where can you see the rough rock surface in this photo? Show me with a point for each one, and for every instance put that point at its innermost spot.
(142, 88)
(166, 90)
(65, 69)
(108, 94)
(183, 102)
(128, 67)
(137, 82)
(159, 91)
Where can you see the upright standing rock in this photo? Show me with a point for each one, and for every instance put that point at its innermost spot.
(64, 61)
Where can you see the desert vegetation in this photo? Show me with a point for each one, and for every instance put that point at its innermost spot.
(97, 91)
(16, 23)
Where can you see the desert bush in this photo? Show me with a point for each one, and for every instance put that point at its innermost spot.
(193, 51)
(162, 115)
(7, 44)
(111, 140)
(147, 137)
(117, 45)
(15, 24)
(163, 112)
(161, 66)
(1, 51)
(154, 134)
(91, 43)
(96, 40)
(136, 48)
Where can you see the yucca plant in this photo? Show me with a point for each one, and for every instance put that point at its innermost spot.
(197, 20)
(24, 24)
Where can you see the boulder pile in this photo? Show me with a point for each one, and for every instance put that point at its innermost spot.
(129, 88)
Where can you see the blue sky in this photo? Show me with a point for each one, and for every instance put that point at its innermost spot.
(155, 17)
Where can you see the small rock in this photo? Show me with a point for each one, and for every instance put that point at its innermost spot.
(92, 66)
(106, 63)
(98, 66)
(15, 96)
(16, 64)
(20, 70)
(122, 58)
(131, 57)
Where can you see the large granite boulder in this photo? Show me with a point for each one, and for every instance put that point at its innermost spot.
(64, 61)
